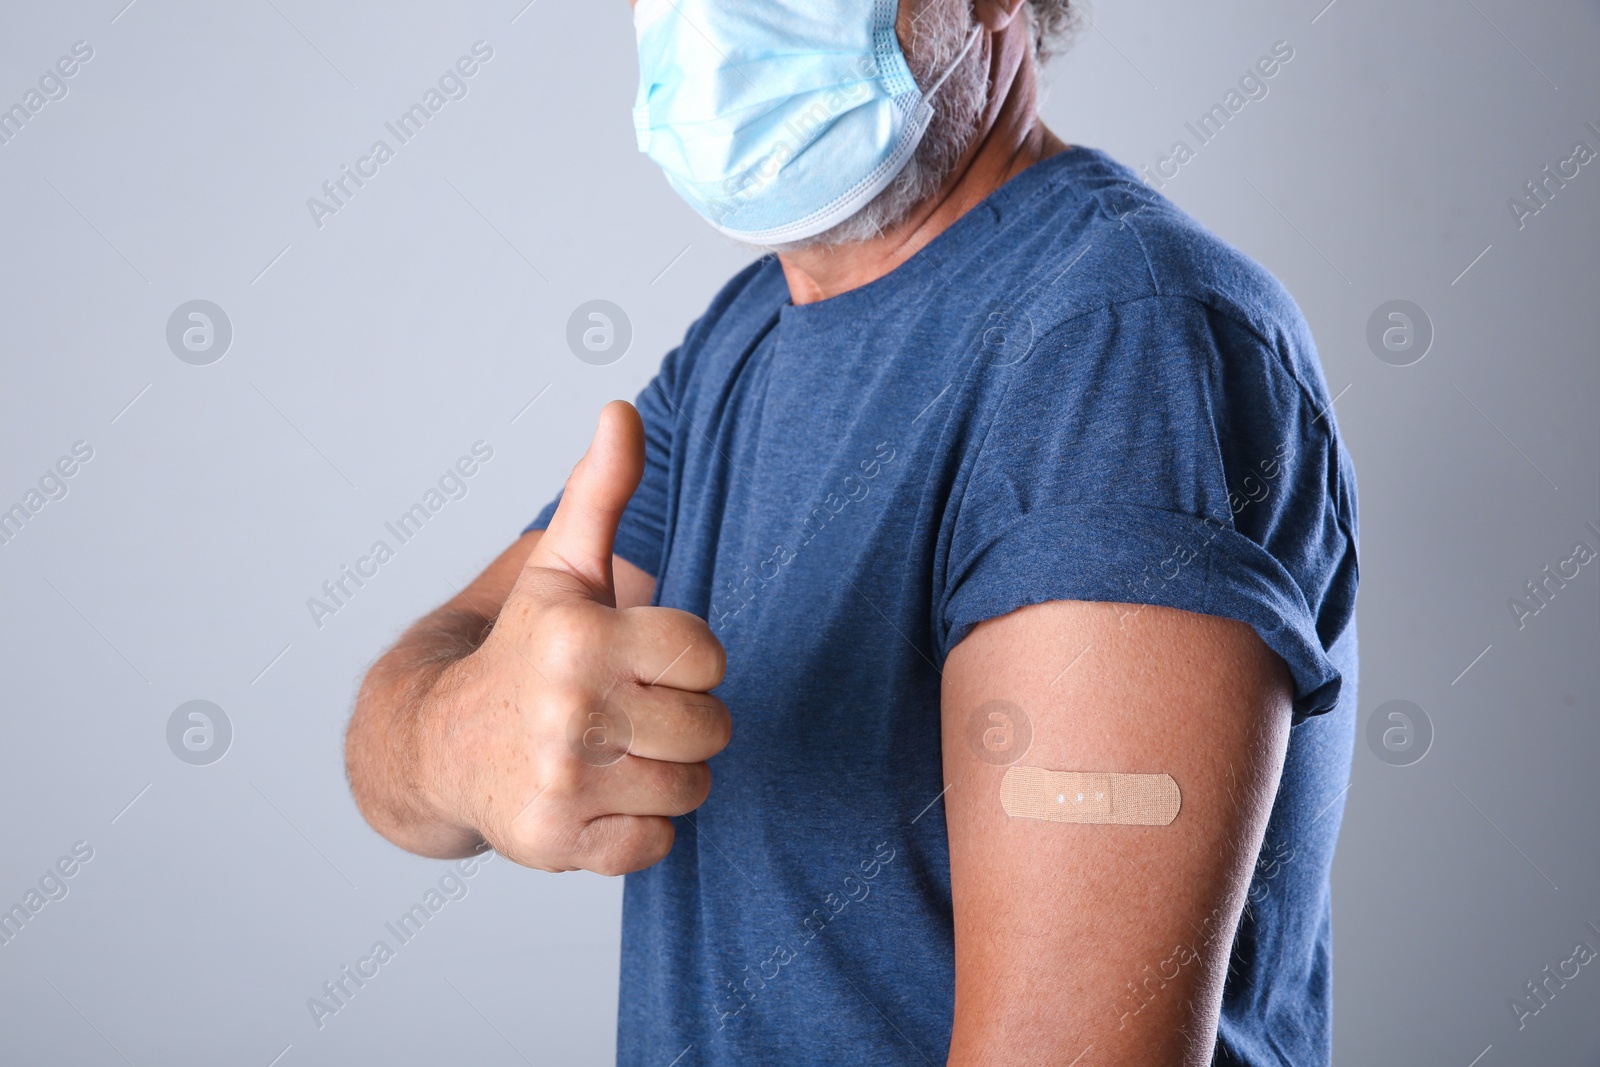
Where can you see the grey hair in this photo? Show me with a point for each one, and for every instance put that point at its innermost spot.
(939, 34)
(1055, 24)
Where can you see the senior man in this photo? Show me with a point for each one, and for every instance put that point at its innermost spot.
(989, 539)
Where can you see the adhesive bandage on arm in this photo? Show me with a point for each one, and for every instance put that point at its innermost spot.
(1077, 796)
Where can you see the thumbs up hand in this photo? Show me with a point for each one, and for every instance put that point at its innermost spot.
(574, 732)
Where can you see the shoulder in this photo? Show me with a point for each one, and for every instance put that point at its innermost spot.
(1110, 271)
(1154, 343)
(1168, 379)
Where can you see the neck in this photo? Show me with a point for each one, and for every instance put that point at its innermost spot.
(1009, 140)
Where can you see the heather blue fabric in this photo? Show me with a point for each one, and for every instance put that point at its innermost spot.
(1075, 392)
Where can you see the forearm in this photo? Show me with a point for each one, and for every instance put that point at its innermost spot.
(385, 744)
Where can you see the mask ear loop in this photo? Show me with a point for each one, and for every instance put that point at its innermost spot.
(972, 39)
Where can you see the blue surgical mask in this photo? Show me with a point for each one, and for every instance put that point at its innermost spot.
(777, 119)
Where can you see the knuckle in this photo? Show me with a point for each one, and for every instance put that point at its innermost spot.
(624, 844)
(553, 837)
(717, 665)
(564, 779)
(703, 784)
(698, 631)
(538, 818)
(654, 842)
(703, 659)
(693, 785)
(652, 625)
(568, 635)
(529, 843)
(720, 723)
(605, 867)
(616, 862)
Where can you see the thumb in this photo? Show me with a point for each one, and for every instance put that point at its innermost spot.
(583, 530)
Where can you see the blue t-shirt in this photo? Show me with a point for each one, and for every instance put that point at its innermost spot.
(1074, 393)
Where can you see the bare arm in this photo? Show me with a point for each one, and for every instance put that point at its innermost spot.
(462, 736)
(1115, 938)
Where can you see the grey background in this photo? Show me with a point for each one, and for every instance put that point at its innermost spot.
(369, 354)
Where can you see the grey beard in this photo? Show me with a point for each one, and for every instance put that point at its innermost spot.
(939, 32)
